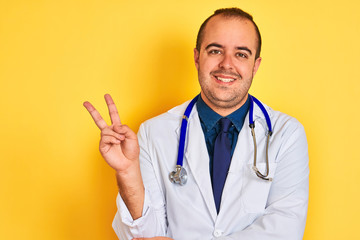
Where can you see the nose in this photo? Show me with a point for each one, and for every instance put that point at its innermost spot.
(226, 62)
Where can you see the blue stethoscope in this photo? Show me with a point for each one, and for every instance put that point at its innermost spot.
(179, 176)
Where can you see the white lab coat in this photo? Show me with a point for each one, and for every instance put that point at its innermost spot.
(251, 208)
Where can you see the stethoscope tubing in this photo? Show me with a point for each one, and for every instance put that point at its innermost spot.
(174, 176)
(251, 113)
(183, 130)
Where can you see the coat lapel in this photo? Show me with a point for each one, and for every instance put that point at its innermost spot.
(243, 155)
(197, 158)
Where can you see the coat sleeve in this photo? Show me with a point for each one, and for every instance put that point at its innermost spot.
(286, 209)
(153, 220)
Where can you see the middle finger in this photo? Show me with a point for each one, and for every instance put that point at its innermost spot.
(113, 112)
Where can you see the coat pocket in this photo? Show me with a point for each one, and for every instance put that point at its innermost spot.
(255, 191)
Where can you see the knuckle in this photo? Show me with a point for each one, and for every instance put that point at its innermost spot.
(105, 131)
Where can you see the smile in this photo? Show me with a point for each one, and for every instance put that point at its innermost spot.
(226, 80)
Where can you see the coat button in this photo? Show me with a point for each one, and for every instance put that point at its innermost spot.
(217, 233)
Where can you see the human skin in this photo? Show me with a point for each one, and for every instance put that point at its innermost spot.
(226, 63)
(120, 148)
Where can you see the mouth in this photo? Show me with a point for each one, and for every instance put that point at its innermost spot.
(225, 79)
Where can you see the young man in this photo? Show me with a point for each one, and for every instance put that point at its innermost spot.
(227, 195)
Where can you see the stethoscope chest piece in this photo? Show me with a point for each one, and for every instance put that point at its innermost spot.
(179, 175)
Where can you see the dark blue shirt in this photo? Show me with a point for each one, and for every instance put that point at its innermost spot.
(210, 125)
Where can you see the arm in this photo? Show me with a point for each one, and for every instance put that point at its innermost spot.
(285, 214)
(153, 221)
(120, 149)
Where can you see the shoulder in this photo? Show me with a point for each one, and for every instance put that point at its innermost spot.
(288, 141)
(281, 121)
(288, 133)
(286, 124)
(165, 121)
(286, 129)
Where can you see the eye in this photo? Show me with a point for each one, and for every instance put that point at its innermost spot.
(214, 52)
(242, 55)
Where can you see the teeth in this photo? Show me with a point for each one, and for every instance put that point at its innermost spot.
(225, 79)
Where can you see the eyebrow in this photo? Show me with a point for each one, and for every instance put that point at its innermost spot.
(214, 45)
(221, 46)
(245, 49)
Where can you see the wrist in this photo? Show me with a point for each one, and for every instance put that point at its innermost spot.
(130, 180)
(132, 170)
(131, 190)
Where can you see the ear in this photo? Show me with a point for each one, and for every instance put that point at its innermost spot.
(196, 58)
(256, 65)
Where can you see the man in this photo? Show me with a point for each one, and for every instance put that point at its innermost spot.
(236, 202)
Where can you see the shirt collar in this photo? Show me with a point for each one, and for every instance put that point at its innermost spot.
(209, 117)
(238, 117)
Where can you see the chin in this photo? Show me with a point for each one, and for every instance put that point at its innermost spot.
(224, 102)
(229, 101)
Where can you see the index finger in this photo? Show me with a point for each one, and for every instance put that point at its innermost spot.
(99, 121)
(113, 112)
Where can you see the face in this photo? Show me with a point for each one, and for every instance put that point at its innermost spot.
(226, 63)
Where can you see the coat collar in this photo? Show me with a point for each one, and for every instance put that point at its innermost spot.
(196, 155)
(179, 111)
(209, 117)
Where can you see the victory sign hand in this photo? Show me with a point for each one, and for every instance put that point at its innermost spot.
(118, 144)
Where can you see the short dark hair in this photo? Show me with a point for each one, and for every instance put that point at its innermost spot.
(229, 13)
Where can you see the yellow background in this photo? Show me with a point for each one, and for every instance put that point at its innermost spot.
(56, 54)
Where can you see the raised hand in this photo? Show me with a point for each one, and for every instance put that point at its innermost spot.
(118, 144)
(120, 148)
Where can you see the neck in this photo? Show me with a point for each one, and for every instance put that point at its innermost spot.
(224, 110)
